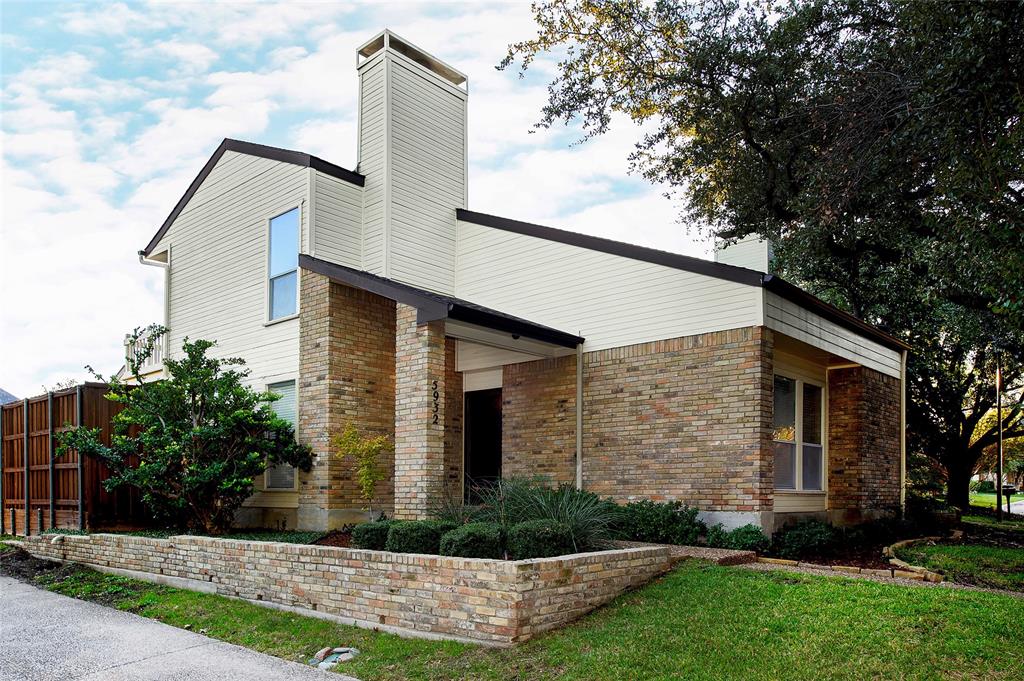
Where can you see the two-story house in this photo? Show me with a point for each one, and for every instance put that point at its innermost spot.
(485, 346)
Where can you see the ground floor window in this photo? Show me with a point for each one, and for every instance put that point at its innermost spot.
(282, 476)
(798, 418)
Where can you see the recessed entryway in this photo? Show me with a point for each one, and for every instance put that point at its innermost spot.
(482, 444)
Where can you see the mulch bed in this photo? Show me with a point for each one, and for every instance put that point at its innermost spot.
(862, 556)
(342, 538)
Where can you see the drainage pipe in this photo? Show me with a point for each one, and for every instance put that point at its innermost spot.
(579, 416)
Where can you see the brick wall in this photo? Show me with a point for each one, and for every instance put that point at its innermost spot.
(864, 443)
(487, 601)
(419, 397)
(538, 419)
(453, 419)
(684, 419)
(346, 374)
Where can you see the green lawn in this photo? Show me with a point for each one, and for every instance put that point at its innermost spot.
(988, 499)
(989, 522)
(981, 565)
(698, 622)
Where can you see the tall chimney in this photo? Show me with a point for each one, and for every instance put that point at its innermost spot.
(412, 150)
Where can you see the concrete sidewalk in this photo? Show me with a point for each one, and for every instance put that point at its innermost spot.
(48, 636)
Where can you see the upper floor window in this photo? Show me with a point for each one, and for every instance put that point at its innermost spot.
(799, 449)
(284, 264)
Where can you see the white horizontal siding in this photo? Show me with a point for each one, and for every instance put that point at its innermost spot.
(427, 177)
(218, 264)
(473, 356)
(608, 299)
(804, 325)
(337, 220)
(372, 163)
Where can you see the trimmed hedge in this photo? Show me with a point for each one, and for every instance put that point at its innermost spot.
(664, 523)
(540, 539)
(474, 540)
(417, 536)
(809, 537)
(373, 535)
(745, 538)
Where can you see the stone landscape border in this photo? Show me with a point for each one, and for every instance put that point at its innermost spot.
(492, 602)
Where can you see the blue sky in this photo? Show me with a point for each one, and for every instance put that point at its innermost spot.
(110, 109)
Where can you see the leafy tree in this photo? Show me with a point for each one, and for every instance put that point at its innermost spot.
(877, 144)
(200, 438)
(365, 454)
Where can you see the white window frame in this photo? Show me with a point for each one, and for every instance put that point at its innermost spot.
(295, 478)
(267, 321)
(798, 487)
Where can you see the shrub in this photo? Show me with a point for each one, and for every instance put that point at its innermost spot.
(371, 535)
(591, 520)
(475, 540)
(986, 487)
(745, 538)
(417, 536)
(539, 539)
(365, 453)
(805, 538)
(660, 523)
(449, 508)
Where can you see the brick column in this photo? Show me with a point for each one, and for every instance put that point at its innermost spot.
(419, 414)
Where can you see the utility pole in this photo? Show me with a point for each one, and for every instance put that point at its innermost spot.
(999, 450)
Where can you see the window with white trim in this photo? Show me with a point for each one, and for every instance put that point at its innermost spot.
(797, 420)
(283, 268)
(282, 476)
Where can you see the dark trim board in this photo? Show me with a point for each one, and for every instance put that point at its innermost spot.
(433, 306)
(262, 151)
(740, 275)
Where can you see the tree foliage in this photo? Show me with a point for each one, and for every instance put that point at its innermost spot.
(200, 437)
(878, 144)
(364, 453)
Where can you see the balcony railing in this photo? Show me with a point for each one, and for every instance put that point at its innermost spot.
(136, 348)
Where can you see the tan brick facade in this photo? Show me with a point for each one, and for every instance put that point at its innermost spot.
(487, 601)
(420, 414)
(684, 419)
(346, 375)
(864, 444)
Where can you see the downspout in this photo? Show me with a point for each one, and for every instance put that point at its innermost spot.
(903, 431)
(579, 416)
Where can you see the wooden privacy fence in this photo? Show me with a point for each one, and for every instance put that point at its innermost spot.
(66, 491)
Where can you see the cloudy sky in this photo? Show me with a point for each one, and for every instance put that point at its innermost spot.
(109, 111)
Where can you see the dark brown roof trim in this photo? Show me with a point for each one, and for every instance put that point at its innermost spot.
(831, 312)
(433, 306)
(261, 150)
(718, 270)
(740, 275)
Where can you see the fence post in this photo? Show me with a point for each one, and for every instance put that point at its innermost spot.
(49, 446)
(81, 464)
(39, 519)
(2, 471)
(24, 459)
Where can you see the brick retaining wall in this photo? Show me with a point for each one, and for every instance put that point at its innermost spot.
(487, 601)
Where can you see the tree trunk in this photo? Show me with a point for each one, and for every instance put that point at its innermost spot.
(958, 487)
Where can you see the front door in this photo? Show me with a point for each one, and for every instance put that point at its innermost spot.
(482, 444)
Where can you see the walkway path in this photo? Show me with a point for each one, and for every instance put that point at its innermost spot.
(44, 635)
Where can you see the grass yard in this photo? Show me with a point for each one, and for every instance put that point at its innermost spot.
(1015, 525)
(698, 622)
(990, 566)
(988, 499)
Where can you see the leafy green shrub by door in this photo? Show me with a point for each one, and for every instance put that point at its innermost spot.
(539, 539)
(806, 538)
(746, 538)
(371, 536)
(660, 523)
(417, 536)
(474, 540)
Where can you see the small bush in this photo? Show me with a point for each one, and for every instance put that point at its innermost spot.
(805, 538)
(373, 535)
(417, 536)
(660, 523)
(986, 487)
(746, 538)
(474, 540)
(539, 539)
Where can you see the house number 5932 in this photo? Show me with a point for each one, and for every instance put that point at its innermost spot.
(437, 403)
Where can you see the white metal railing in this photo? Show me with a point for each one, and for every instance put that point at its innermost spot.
(132, 349)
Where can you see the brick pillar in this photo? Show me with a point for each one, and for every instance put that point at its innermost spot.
(863, 444)
(419, 414)
(453, 417)
(346, 375)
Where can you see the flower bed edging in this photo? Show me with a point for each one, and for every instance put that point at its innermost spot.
(493, 602)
